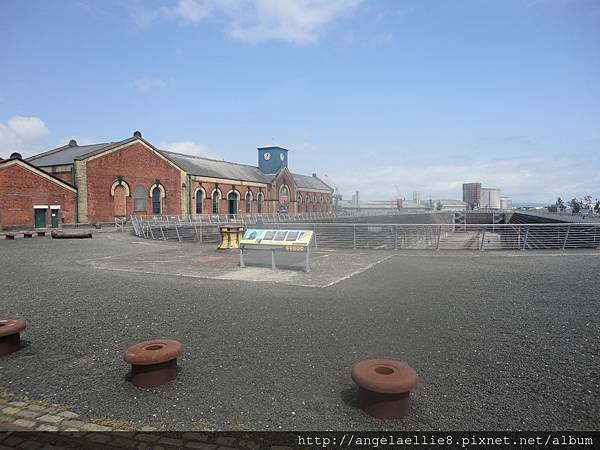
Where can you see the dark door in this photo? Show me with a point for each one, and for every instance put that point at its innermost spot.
(232, 200)
(54, 217)
(40, 218)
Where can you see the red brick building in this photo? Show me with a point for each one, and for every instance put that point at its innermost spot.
(132, 177)
(30, 196)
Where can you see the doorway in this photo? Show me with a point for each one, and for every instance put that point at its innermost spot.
(40, 217)
(232, 201)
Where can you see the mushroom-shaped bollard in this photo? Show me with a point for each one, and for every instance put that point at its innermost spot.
(153, 362)
(10, 337)
(384, 387)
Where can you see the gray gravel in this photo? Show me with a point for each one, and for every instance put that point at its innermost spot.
(500, 341)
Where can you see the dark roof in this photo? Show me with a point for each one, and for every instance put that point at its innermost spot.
(206, 167)
(307, 182)
(66, 154)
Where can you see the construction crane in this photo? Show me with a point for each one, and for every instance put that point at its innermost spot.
(337, 197)
(399, 198)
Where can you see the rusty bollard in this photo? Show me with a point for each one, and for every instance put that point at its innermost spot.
(10, 236)
(384, 387)
(153, 362)
(41, 233)
(10, 337)
(27, 234)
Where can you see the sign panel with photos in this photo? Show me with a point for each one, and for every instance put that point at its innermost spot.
(291, 239)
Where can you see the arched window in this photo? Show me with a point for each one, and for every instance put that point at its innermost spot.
(200, 201)
(216, 197)
(156, 203)
(248, 202)
(299, 202)
(284, 197)
(232, 202)
(259, 203)
(139, 199)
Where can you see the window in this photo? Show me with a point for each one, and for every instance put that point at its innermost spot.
(139, 199)
(156, 206)
(248, 202)
(259, 203)
(232, 202)
(283, 198)
(216, 197)
(199, 201)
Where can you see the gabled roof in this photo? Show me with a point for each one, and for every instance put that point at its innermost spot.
(66, 154)
(38, 171)
(214, 168)
(307, 182)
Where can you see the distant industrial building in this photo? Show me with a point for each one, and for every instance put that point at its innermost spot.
(476, 196)
(490, 198)
(472, 194)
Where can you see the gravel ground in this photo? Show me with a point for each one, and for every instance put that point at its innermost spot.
(499, 340)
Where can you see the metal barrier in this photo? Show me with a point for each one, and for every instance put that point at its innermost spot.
(558, 236)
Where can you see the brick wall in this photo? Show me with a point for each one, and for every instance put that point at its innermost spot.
(21, 188)
(138, 166)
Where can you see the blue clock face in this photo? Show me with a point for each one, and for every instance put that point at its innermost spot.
(267, 156)
(281, 157)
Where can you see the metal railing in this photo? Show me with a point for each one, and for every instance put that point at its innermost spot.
(557, 236)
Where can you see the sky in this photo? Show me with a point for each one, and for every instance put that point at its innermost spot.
(382, 96)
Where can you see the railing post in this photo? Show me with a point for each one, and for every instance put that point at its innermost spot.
(437, 244)
(395, 237)
(315, 233)
(526, 236)
(566, 236)
(482, 239)
(354, 236)
(162, 232)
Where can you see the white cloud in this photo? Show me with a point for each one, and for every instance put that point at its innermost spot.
(145, 84)
(525, 179)
(188, 148)
(297, 21)
(20, 134)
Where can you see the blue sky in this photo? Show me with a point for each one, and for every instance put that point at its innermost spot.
(423, 95)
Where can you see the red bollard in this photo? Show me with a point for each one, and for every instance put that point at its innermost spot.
(10, 337)
(384, 387)
(153, 362)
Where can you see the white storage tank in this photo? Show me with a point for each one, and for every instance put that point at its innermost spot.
(490, 198)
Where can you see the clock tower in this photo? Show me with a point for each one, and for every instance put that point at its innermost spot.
(272, 158)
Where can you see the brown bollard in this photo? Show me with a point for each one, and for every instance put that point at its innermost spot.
(27, 234)
(10, 337)
(41, 233)
(153, 362)
(384, 387)
(10, 236)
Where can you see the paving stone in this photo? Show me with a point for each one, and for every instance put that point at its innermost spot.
(196, 436)
(251, 445)
(19, 404)
(12, 441)
(51, 410)
(24, 423)
(45, 427)
(145, 437)
(122, 442)
(124, 434)
(29, 414)
(72, 423)
(224, 440)
(35, 407)
(170, 441)
(71, 429)
(201, 445)
(226, 448)
(68, 414)
(2, 447)
(30, 445)
(95, 427)
(147, 429)
(50, 418)
(99, 438)
(11, 410)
